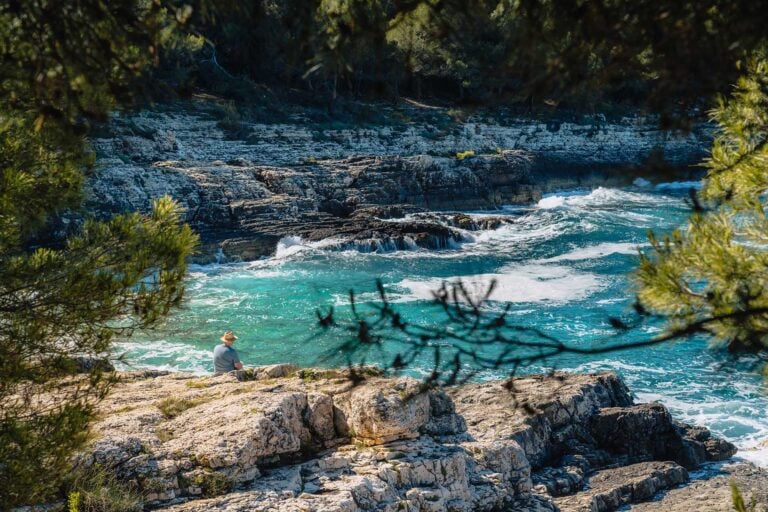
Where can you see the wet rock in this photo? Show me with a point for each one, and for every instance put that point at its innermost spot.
(709, 447)
(87, 364)
(647, 431)
(640, 431)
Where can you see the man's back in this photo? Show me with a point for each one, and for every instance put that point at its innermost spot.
(224, 359)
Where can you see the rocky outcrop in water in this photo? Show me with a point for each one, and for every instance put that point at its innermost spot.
(246, 189)
(243, 210)
(310, 440)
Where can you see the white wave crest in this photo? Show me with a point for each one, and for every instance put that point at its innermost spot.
(601, 197)
(164, 355)
(521, 283)
(551, 202)
(288, 246)
(594, 252)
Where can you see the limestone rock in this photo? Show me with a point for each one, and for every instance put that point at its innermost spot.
(244, 211)
(241, 430)
(713, 493)
(318, 417)
(313, 440)
(276, 371)
(611, 488)
(377, 415)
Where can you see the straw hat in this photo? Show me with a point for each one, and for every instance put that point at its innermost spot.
(229, 336)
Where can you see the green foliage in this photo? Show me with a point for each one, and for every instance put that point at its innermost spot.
(308, 375)
(197, 384)
(674, 54)
(711, 275)
(230, 121)
(214, 484)
(63, 66)
(464, 154)
(73, 501)
(112, 278)
(164, 435)
(738, 500)
(61, 71)
(211, 483)
(96, 489)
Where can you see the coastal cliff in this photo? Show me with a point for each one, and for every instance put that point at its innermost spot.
(312, 440)
(246, 185)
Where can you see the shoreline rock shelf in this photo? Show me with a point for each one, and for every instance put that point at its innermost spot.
(242, 211)
(310, 440)
(244, 194)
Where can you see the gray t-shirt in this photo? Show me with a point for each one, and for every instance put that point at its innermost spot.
(224, 359)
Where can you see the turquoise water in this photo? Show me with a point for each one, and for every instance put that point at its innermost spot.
(563, 264)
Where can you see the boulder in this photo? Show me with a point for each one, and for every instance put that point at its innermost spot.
(646, 431)
(380, 414)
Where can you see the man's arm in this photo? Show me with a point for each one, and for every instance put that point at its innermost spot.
(236, 360)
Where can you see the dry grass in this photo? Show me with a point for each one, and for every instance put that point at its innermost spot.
(172, 406)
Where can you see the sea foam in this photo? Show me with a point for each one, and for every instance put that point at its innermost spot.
(602, 197)
(516, 283)
(594, 252)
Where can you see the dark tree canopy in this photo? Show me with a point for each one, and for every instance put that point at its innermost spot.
(666, 55)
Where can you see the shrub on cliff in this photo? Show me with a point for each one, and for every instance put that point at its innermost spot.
(62, 66)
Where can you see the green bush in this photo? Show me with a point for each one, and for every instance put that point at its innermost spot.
(210, 483)
(96, 489)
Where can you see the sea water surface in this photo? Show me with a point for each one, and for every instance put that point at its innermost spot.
(564, 264)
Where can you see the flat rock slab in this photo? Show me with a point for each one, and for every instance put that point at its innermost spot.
(610, 488)
(712, 493)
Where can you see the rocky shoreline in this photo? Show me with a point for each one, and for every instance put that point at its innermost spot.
(293, 440)
(245, 185)
(242, 210)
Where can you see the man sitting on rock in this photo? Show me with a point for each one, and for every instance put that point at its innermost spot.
(225, 358)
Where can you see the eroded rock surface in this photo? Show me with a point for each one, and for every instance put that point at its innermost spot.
(711, 492)
(243, 210)
(310, 440)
